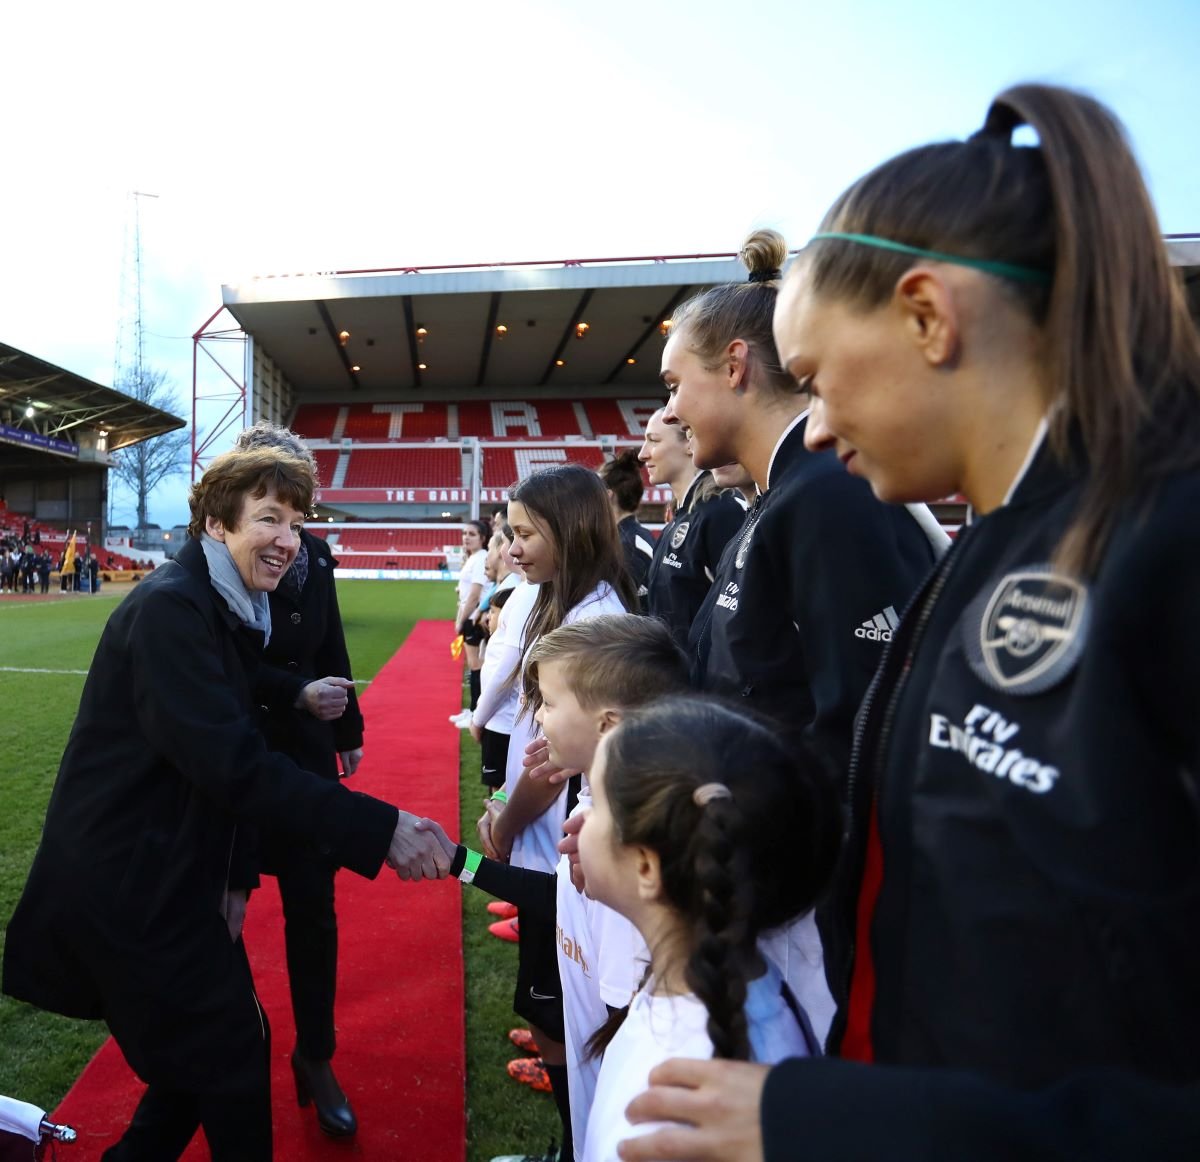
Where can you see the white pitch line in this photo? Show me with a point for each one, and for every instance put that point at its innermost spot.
(24, 670)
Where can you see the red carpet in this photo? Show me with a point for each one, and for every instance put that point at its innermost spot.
(400, 982)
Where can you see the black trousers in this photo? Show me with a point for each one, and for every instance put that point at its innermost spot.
(237, 1128)
(206, 1062)
(310, 933)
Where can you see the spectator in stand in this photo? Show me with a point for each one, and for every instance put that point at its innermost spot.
(689, 548)
(622, 476)
(320, 730)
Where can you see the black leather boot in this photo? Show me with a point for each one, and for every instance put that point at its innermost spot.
(315, 1083)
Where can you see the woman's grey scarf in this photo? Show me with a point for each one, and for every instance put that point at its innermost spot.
(251, 609)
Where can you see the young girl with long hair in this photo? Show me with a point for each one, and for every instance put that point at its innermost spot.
(584, 678)
(705, 830)
(565, 541)
(1013, 931)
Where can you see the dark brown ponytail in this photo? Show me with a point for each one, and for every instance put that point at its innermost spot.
(746, 830)
(1120, 348)
(622, 476)
(742, 310)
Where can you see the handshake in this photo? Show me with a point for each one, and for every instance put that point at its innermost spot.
(420, 849)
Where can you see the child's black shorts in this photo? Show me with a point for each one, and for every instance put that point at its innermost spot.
(538, 997)
(493, 747)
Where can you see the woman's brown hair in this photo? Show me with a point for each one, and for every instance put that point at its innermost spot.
(622, 476)
(1119, 346)
(235, 475)
(570, 504)
(741, 310)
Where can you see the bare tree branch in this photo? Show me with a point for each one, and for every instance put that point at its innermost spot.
(142, 467)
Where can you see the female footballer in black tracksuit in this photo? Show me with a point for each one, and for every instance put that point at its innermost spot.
(806, 596)
(1014, 932)
(810, 589)
(689, 547)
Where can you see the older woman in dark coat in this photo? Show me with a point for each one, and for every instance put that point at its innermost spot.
(131, 911)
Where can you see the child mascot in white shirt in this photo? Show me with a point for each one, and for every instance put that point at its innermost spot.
(705, 830)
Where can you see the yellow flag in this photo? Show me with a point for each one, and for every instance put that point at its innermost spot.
(69, 554)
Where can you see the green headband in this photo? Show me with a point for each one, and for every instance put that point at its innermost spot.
(1003, 269)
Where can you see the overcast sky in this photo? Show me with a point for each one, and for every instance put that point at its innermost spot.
(301, 136)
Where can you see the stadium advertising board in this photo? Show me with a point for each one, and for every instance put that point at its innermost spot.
(439, 496)
(37, 440)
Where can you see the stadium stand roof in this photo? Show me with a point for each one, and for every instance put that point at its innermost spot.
(549, 327)
(66, 405)
(591, 324)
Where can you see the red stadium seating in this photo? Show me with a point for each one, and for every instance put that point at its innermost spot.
(326, 459)
(401, 421)
(543, 419)
(518, 420)
(414, 445)
(366, 424)
(623, 418)
(315, 421)
(503, 467)
(399, 538)
(412, 467)
(370, 421)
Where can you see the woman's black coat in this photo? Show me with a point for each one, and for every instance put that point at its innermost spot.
(164, 761)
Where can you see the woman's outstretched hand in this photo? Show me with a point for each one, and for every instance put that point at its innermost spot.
(416, 853)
